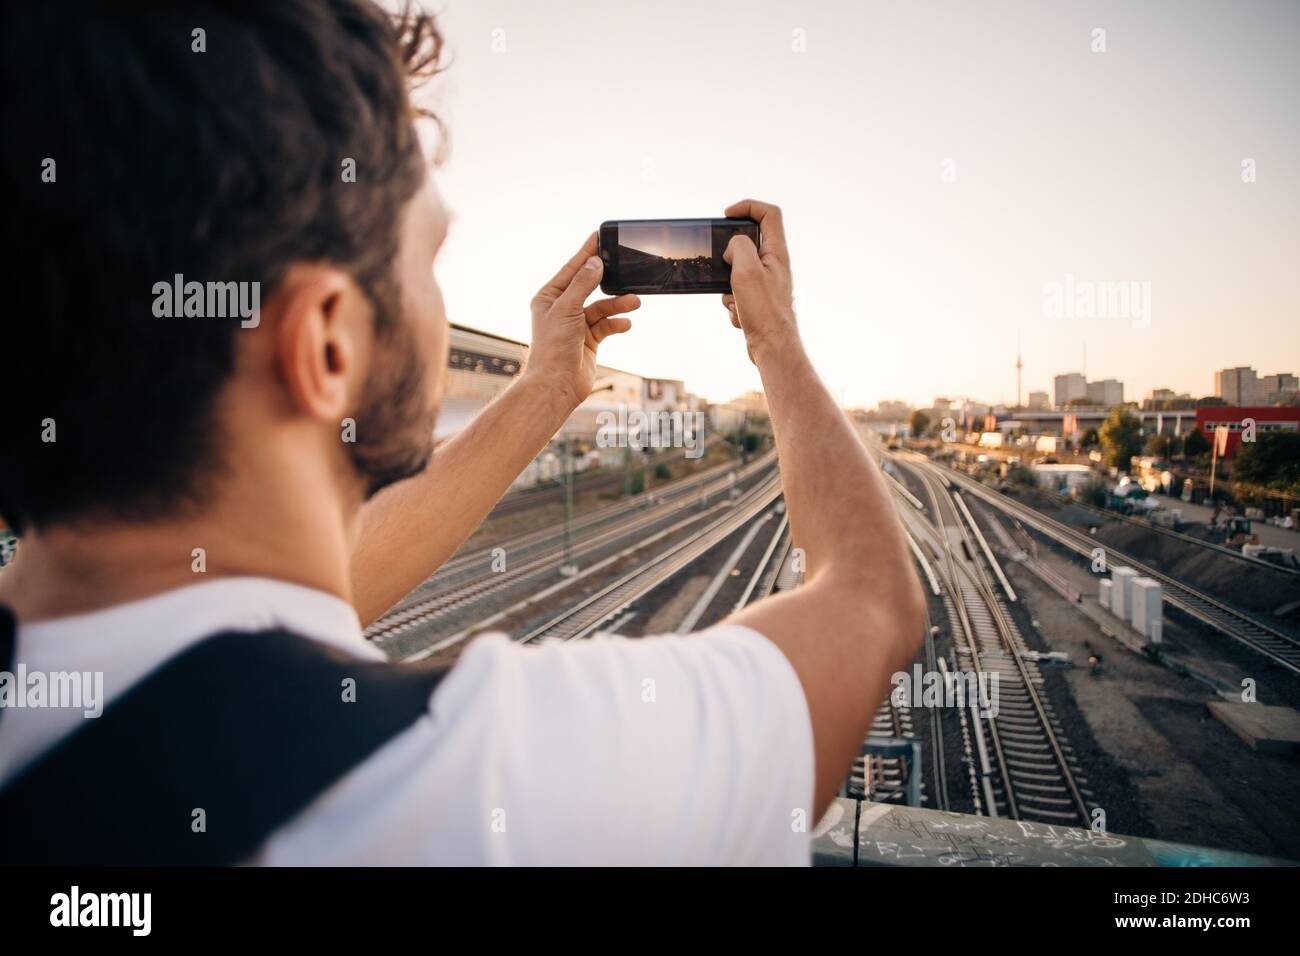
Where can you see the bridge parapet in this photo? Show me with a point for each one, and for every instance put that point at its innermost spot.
(893, 835)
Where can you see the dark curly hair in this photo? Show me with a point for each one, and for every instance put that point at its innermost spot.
(131, 156)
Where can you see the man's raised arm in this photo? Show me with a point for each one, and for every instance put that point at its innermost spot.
(409, 530)
(860, 615)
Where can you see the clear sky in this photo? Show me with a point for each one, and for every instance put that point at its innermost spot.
(945, 169)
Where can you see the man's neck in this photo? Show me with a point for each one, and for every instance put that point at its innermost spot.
(88, 566)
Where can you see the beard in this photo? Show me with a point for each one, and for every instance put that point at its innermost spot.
(395, 420)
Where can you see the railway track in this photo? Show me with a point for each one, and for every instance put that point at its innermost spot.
(456, 597)
(1274, 644)
(881, 778)
(1022, 766)
(471, 565)
(586, 616)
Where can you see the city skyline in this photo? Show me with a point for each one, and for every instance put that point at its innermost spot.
(981, 176)
(1242, 386)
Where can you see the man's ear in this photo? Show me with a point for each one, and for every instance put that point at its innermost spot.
(322, 340)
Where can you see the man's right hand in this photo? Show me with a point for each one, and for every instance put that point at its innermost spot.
(761, 301)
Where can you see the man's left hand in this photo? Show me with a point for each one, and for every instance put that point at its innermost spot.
(566, 332)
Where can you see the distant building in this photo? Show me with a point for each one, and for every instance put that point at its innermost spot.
(1281, 387)
(1241, 386)
(614, 390)
(1167, 400)
(942, 404)
(893, 410)
(1068, 387)
(1266, 418)
(1039, 401)
(1107, 393)
(725, 417)
(754, 403)
(1238, 386)
(728, 416)
(664, 395)
(480, 366)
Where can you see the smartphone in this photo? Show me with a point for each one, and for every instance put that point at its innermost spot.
(668, 256)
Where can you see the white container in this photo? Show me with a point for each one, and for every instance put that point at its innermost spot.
(1104, 587)
(1121, 598)
(1147, 607)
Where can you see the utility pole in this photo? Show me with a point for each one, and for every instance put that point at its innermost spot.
(627, 468)
(1220, 446)
(568, 569)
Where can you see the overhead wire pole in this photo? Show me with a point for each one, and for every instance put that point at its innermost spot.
(567, 568)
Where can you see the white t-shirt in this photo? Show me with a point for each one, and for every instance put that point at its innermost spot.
(667, 750)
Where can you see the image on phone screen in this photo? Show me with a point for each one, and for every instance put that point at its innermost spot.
(666, 256)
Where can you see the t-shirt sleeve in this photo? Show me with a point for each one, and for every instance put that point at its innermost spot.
(691, 749)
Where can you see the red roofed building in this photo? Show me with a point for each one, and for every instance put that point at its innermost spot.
(1266, 419)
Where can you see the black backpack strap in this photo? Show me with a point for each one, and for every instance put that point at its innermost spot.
(8, 637)
(248, 728)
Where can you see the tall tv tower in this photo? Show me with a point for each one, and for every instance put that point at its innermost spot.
(1019, 366)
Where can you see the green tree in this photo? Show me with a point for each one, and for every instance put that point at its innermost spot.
(1162, 446)
(920, 423)
(1090, 439)
(1121, 437)
(1196, 444)
(1272, 459)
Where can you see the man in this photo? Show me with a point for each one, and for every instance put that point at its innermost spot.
(189, 479)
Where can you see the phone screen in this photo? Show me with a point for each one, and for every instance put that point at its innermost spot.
(669, 256)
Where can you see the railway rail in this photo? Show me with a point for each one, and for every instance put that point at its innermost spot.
(1276, 645)
(457, 596)
(586, 616)
(1022, 765)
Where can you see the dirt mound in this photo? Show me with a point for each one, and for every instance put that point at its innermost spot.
(1272, 594)
(1250, 586)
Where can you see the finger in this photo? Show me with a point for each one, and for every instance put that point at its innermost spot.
(771, 225)
(729, 303)
(582, 284)
(606, 307)
(741, 255)
(553, 289)
(602, 329)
